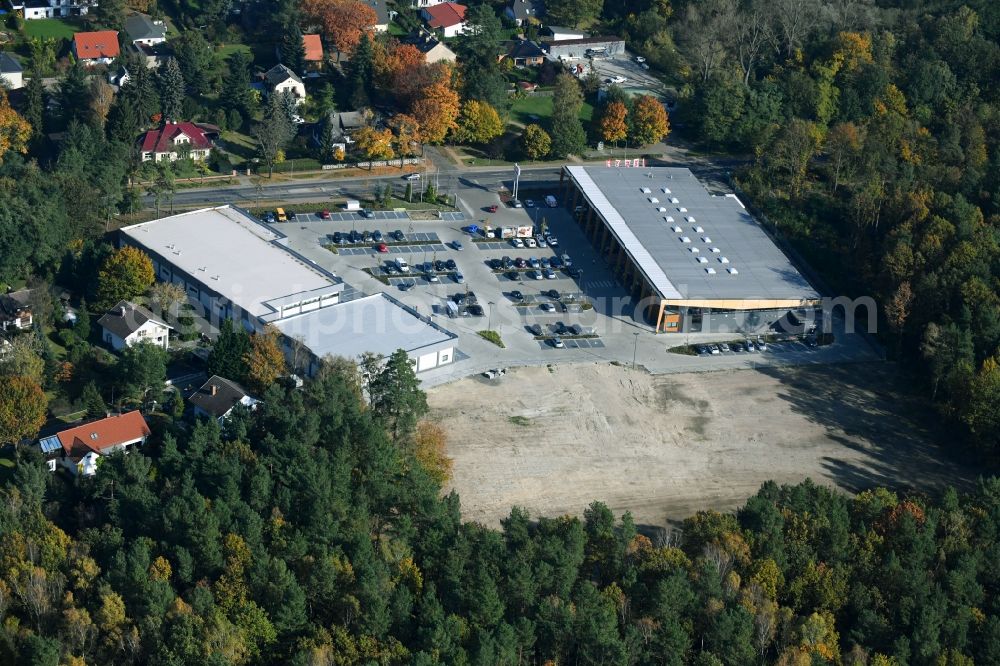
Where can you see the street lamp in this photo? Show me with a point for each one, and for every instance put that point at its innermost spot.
(635, 348)
(489, 324)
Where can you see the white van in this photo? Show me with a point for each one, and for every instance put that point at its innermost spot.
(402, 266)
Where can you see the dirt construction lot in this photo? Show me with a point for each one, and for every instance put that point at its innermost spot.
(554, 439)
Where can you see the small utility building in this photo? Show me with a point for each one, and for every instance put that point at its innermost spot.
(691, 258)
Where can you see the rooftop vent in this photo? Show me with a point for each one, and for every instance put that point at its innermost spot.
(723, 260)
(710, 271)
(674, 200)
(702, 260)
(670, 218)
(694, 250)
(646, 190)
(677, 230)
(682, 209)
(691, 219)
(733, 271)
(706, 239)
(661, 209)
(653, 200)
(685, 239)
(666, 190)
(698, 229)
(716, 250)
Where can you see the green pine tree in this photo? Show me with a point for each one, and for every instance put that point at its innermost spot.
(171, 85)
(293, 49)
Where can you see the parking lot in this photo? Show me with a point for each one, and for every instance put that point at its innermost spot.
(637, 79)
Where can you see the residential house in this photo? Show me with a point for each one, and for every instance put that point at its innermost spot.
(42, 9)
(11, 72)
(119, 77)
(127, 324)
(173, 140)
(314, 50)
(218, 397)
(448, 17)
(79, 448)
(141, 29)
(280, 78)
(525, 53)
(15, 315)
(341, 125)
(434, 50)
(420, 4)
(523, 12)
(153, 55)
(96, 48)
(382, 14)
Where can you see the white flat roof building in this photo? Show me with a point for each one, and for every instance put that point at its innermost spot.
(377, 324)
(226, 252)
(239, 268)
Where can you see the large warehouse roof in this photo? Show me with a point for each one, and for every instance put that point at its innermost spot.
(230, 252)
(691, 245)
(377, 324)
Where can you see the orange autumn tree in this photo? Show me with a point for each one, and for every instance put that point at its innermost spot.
(265, 361)
(437, 108)
(342, 21)
(14, 130)
(613, 125)
(408, 137)
(402, 70)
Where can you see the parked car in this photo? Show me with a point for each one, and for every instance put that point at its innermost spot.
(557, 342)
(540, 240)
(476, 310)
(567, 262)
(377, 236)
(492, 208)
(529, 203)
(535, 275)
(535, 329)
(703, 349)
(382, 247)
(517, 242)
(513, 275)
(412, 176)
(356, 236)
(337, 237)
(552, 241)
(761, 345)
(496, 264)
(547, 307)
(516, 295)
(736, 347)
(574, 273)
(551, 201)
(554, 294)
(279, 214)
(714, 349)
(544, 261)
(459, 278)
(457, 245)
(554, 262)
(440, 266)
(451, 265)
(389, 268)
(530, 242)
(514, 203)
(520, 262)
(431, 277)
(533, 262)
(640, 59)
(366, 237)
(402, 266)
(549, 275)
(618, 78)
(749, 346)
(398, 236)
(324, 214)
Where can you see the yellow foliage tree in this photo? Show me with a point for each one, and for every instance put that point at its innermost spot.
(376, 144)
(125, 274)
(479, 123)
(264, 360)
(650, 123)
(437, 108)
(14, 130)
(429, 445)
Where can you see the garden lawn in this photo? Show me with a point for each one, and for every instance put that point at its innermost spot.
(541, 106)
(51, 28)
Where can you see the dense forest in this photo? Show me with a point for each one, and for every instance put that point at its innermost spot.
(305, 533)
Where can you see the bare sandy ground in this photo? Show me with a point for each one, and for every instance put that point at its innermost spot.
(554, 439)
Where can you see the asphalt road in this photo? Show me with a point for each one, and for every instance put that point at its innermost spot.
(317, 190)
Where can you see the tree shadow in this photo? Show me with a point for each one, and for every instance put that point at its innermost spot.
(894, 435)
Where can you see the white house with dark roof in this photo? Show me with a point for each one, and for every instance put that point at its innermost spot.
(11, 72)
(525, 11)
(280, 79)
(43, 9)
(218, 397)
(142, 29)
(127, 324)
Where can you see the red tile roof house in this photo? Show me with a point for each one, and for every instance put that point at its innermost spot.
(314, 48)
(96, 48)
(80, 448)
(449, 17)
(172, 140)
